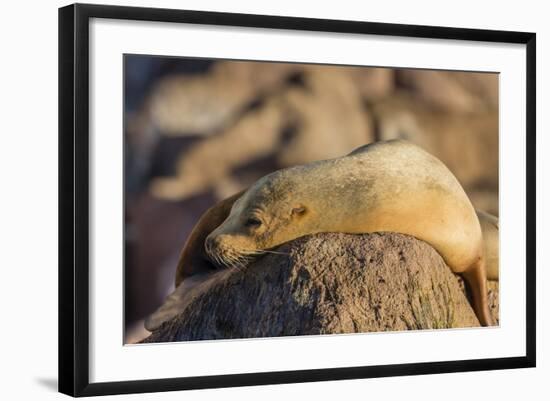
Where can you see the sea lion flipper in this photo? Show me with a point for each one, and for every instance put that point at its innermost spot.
(193, 268)
(174, 303)
(182, 296)
(192, 259)
(476, 278)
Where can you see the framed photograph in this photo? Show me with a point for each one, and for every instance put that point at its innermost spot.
(252, 199)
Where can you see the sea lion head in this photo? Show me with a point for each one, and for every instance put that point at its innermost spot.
(270, 213)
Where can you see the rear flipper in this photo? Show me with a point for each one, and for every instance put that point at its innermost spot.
(476, 278)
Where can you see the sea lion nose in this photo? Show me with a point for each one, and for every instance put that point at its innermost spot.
(211, 242)
(208, 242)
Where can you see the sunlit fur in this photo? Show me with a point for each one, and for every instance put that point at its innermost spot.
(388, 186)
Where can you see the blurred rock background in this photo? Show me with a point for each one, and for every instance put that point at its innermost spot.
(198, 130)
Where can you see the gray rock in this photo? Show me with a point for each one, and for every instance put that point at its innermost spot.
(328, 284)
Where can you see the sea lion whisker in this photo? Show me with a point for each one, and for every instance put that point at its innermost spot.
(213, 257)
(261, 252)
(244, 261)
(253, 252)
(235, 265)
(226, 261)
(234, 257)
(241, 263)
(276, 252)
(220, 261)
(238, 259)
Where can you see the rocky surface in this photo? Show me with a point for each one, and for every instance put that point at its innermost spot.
(329, 284)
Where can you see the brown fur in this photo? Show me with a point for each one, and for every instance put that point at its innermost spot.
(193, 259)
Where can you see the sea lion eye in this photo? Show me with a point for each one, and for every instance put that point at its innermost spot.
(253, 222)
(299, 210)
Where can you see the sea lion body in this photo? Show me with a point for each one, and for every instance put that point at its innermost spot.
(386, 186)
(390, 186)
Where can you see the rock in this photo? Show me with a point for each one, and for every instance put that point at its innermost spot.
(213, 159)
(329, 114)
(323, 117)
(452, 91)
(183, 104)
(372, 82)
(328, 284)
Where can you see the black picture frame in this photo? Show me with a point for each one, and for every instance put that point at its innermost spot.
(74, 198)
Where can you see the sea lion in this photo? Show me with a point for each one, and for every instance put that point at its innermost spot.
(385, 186)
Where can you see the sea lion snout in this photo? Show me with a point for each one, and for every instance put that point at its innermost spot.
(211, 243)
(227, 250)
(214, 245)
(214, 249)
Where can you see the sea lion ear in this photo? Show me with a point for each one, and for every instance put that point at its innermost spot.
(298, 210)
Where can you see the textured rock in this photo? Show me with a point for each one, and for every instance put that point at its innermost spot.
(452, 91)
(181, 105)
(329, 115)
(321, 118)
(327, 284)
(212, 160)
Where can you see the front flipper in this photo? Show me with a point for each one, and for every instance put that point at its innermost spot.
(193, 259)
(182, 296)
